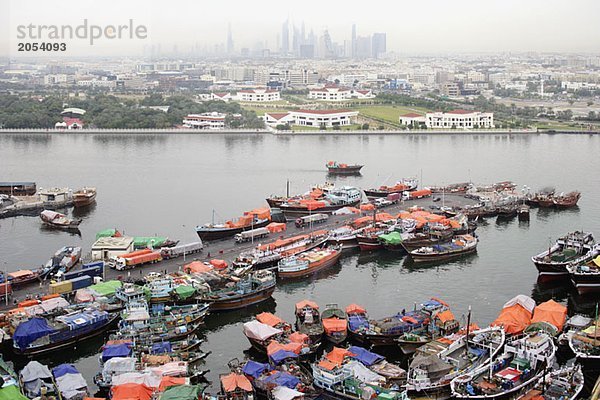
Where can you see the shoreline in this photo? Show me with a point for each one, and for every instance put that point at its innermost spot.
(142, 131)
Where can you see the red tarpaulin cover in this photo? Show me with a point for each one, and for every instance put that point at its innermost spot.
(131, 391)
(233, 381)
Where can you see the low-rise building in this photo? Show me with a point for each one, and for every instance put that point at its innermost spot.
(258, 95)
(459, 119)
(336, 93)
(411, 119)
(106, 248)
(222, 96)
(314, 118)
(212, 120)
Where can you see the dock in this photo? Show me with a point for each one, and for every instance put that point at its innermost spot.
(228, 249)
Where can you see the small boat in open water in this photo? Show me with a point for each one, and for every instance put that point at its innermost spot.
(60, 221)
(84, 197)
(333, 167)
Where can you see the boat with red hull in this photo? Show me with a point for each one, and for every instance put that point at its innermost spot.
(308, 263)
(333, 167)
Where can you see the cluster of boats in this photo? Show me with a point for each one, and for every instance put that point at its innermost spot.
(574, 256)
(515, 357)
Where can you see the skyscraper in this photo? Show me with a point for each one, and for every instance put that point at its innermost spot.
(378, 45)
(229, 40)
(353, 42)
(285, 37)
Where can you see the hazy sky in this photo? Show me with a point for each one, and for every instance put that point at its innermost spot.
(424, 26)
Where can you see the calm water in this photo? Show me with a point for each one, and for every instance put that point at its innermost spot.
(161, 184)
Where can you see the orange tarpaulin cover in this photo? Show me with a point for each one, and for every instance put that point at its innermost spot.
(197, 267)
(551, 312)
(337, 354)
(167, 381)
(353, 210)
(306, 303)
(269, 319)
(335, 325)
(472, 327)
(514, 319)
(131, 391)
(260, 213)
(355, 309)
(367, 207)
(440, 301)
(275, 346)
(316, 193)
(274, 227)
(18, 274)
(328, 365)
(403, 215)
(233, 381)
(445, 316)
(218, 264)
(298, 337)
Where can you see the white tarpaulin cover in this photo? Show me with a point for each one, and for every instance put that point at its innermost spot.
(527, 302)
(54, 303)
(285, 393)
(362, 373)
(119, 365)
(32, 375)
(71, 385)
(147, 378)
(174, 368)
(259, 331)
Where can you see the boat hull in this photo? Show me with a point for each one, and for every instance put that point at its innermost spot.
(349, 170)
(369, 243)
(215, 234)
(432, 258)
(240, 301)
(292, 212)
(83, 200)
(313, 267)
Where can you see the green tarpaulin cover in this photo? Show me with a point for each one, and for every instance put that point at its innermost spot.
(106, 233)
(153, 241)
(185, 291)
(182, 392)
(11, 392)
(391, 238)
(107, 288)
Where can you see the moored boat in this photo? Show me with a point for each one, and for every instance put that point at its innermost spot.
(308, 321)
(415, 241)
(442, 323)
(258, 218)
(331, 201)
(84, 197)
(523, 212)
(36, 378)
(57, 220)
(333, 167)
(460, 246)
(251, 289)
(586, 276)
(585, 343)
(564, 383)
(574, 247)
(403, 185)
(306, 264)
(335, 323)
(22, 277)
(522, 364)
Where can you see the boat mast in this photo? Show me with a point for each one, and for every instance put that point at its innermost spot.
(467, 336)
(287, 189)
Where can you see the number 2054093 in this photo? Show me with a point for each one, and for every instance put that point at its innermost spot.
(44, 46)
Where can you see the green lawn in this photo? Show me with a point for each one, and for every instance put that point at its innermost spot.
(389, 113)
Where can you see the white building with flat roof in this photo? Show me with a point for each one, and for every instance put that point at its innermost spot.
(314, 118)
(258, 95)
(412, 119)
(459, 119)
(213, 120)
(335, 93)
(106, 248)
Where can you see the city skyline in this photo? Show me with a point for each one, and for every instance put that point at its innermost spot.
(428, 27)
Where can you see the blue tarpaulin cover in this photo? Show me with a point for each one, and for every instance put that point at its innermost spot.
(254, 368)
(161, 348)
(355, 322)
(29, 331)
(280, 378)
(116, 350)
(64, 369)
(84, 318)
(365, 356)
(281, 355)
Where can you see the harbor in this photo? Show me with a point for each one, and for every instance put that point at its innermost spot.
(503, 255)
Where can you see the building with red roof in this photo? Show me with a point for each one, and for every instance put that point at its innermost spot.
(314, 118)
(258, 95)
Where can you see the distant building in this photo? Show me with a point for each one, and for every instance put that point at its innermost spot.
(335, 93)
(363, 47)
(315, 118)
(450, 89)
(212, 120)
(412, 119)
(71, 118)
(378, 44)
(307, 51)
(258, 95)
(222, 96)
(460, 119)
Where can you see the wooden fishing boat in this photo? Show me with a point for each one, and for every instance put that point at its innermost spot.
(308, 263)
(505, 213)
(345, 237)
(308, 321)
(437, 363)
(443, 323)
(40, 336)
(235, 386)
(558, 384)
(460, 246)
(335, 323)
(269, 380)
(34, 377)
(585, 343)
(586, 276)
(251, 289)
(84, 197)
(523, 212)
(415, 241)
(378, 364)
(573, 248)
(522, 364)
(23, 277)
(333, 167)
(330, 201)
(403, 185)
(257, 218)
(567, 200)
(57, 220)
